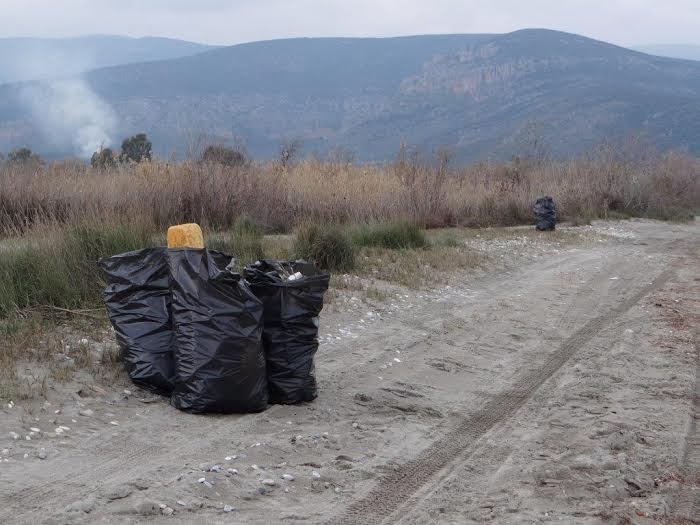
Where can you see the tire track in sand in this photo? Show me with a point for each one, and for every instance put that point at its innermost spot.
(687, 504)
(395, 489)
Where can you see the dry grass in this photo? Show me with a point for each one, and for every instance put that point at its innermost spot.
(418, 268)
(57, 219)
(40, 346)
(430, 194)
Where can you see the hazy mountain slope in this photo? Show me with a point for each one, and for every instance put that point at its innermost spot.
(686, 52)
(33, 58)
(473, 92)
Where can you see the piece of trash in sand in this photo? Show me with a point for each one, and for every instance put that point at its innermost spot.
(295, 276)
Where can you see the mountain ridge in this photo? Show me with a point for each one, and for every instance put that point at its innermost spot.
(680, 51)
(475, 93)
(30, 58)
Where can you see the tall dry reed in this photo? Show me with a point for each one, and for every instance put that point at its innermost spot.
(430, 193)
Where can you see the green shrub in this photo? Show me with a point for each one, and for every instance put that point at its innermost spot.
(446, 240)
(244, 242)
(395, 236)
(62, 271)
(245, 226)
(328, 247)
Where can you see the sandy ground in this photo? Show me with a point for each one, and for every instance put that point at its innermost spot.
(559, 386)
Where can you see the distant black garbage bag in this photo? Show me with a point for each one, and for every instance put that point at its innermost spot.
(219, 358)
(290, 333)
(137, 298)
(545, 214)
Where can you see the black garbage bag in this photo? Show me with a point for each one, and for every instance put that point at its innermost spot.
(138, 302)
(545, 214)
(137, 298)
(290, 333)
(219, 358)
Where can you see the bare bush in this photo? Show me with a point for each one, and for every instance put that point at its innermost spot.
(432, 192)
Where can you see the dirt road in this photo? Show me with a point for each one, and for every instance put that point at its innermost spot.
(561, 387)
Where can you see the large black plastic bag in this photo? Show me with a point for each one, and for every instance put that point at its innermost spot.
(545, 214)
(290, 333)
(137, 298)
(219, 359)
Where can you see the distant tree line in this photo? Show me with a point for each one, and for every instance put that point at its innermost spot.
(134, 149)
(138, 148)
(20, 156)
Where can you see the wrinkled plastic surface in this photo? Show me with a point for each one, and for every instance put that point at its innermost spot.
(219, 358)
(137, 298)
(290, 333)
(545, 214)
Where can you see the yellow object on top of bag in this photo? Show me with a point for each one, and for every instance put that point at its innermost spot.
(185, 236)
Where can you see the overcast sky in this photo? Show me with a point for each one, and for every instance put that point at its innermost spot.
(625, 22)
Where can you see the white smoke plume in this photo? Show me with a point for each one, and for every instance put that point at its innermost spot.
(71, 115)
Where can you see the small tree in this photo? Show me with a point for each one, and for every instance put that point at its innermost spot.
(103, 159)
(136, 148)
(225, 155)
(22, 155)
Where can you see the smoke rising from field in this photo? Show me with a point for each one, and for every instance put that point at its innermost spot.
(64, 107)
(69, 113)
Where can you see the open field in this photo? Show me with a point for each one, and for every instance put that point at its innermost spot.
(525, 379)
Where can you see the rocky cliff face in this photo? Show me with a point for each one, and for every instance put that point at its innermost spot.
(475, 93)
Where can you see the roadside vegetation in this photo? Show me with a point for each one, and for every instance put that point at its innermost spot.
(281, 197)
(57, 219)
(401, 223)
